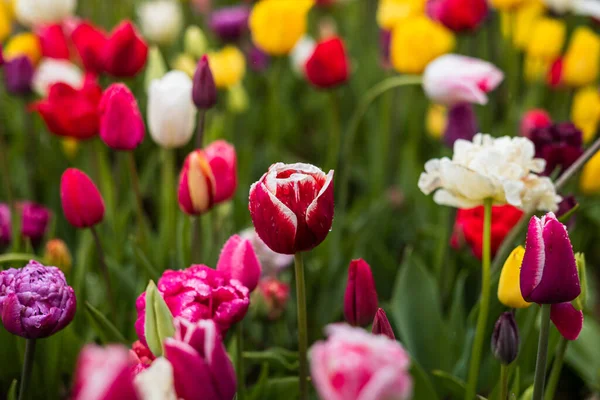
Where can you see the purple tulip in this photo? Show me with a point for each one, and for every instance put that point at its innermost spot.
(548, 272)
(35, 301)
(385, 38)
(258, 60)
(230, 23)
(239, 261)
(505, 339)
(564, 207)
(381, 325)
(559, 144)
(204, 90)
(34, 220)
(201, 367)
(360, 299)
(18, 74)
(5, 225)
(462, 124)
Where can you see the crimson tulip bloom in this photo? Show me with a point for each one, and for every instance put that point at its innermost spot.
(458, 15)
(125, 52)
(238, 260)
(53, 41)
(360, 299)
(328, 65)
(121, 123)
(72, 112)
(292, 207)
(89, 42)
(82, 203)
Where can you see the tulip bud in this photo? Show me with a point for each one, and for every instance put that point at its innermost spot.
(360, 299)
(238, 261)
(237, 99)
(34, 220)
(121, 123)
(57, 254)
(381, 325)
(158, 323)
(462, 124)
(194, 42)
(5, 225)
(549, 272)
(328, 65)
(580, 301)
(505, 339)
(533, 119)
(271, 298)
(509, 289)
(18, 75)
(229, 23)
(155, 68)
(82, 203)
(204, 91)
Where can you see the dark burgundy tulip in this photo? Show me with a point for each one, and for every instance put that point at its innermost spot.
(462, 124)
(18, 74)
(360, 299)
(505, 339)
(559, 144)
(381, 325)
(204, 91)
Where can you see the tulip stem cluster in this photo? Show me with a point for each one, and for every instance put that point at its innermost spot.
(542, 354)
(27, 367)
(556, 369)
(484, 303)
(302, 326)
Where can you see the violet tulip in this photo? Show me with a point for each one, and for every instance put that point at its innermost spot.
(204, 91)
(292, 207)
(548, 272)
(34, 220)
(82, 203)
(462, 124)
(121, 123)
(505, 338)
(229, 23)
(360, 299)
(35, 301)
(18, 75)
(5, 225)
(201, 367)
(382, 326)
(239, 261)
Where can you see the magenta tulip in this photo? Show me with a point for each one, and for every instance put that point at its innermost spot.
(567, 319)
(382, 326)
(82, 203)
(360, 300)
(239, 261)
(121, 123)
(34, 220)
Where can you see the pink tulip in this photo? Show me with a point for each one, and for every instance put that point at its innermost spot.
(360, 299)
(292, 207)
(238, 261)
(34, 220)
(355, 365)
(381, 325)
(201, 367)
(453, 78)
(82, 203)
(121, 123)
(567, 319)
(534, 119)
(223, 163)
(271, 262)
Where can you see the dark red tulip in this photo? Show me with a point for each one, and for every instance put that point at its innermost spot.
(381, 325)
(204, 91)
(458, 15)
(89, 41)
(328, 65)
(125, 52)
(360, 299)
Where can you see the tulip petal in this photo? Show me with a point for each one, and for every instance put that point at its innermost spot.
(567, 320)
(238, 260)
(509, 289)
(319, 214)
(533, 260)
(221, 368)
(386, 383)
(11, 315)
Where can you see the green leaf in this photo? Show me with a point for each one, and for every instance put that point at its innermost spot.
(281, 388)
(283, 357)
(423, 388)
(257, 392)
(105, 329)
(158, 324)
(453, 387)
(12, 392)
(583, 354)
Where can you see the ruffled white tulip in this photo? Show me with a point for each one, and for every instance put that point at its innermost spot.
(156, 382)
(503, 169)
(171, 112)
(51, 71)
(160, 21)
(37, 12)
(582, 7)
(301, 53)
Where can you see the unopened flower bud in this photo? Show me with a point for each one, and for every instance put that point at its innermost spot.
(360, 299)
(204, 91)
(505, 339)
(381, 325)
(57, 253)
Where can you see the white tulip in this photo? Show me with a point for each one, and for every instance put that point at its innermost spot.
(301, 52)
(51, 71)
(171, 112)
(156, 382)
(589, 8)
(160, 21)
(37, 12)
(503, 169)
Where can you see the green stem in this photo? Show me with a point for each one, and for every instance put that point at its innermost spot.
(135, 183)
(104, 270)
(556, 369)
(27, 367)
(168, 207)
(274, 100)
(483, 304)
(503, 382)
(241, 377)
(335, 132)
(302, 326)
(542, 354)
(200, 128)
(196, 240)
(11, 257)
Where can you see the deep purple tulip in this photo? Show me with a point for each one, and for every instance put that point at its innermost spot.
(35, 301)
(258, 60)
(548, 272)
(360, 299)
(385, 38)
(5, 225)
(505, 339)
(34, 220)
(462, 124)
(381, 325)
(204, 89)
(559, 144)
(18, 74)
(229, 23)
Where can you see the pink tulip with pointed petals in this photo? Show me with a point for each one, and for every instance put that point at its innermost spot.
(360, 299)
(239, 261)
(548, 272)
(121, 123)
(567, 319)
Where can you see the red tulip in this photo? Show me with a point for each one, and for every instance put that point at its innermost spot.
(89, 42)
(555, 73)
(292, 207)
(82, 203)
(125, 52)
(239, 261)
(328, 65)
(458, 15)
(72, 112)
(53, 41)
(533, 119)
(121, 123)
(360, 299)
(381, 325)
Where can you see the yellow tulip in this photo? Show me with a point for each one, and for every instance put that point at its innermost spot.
(517, 25)
(436, 120)
(416, 42)
(589, 183)
(57, 254)
(26, 44)
(228, 66)
(185, 63)
(544, 46)
(5, 21)
(581, 59)
(506, 5)
(509, 287)
(276, 25)
(390, 12)
(585, 112)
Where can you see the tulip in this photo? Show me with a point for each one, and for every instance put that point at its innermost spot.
(277, 25)
(549, 272)
(436, 120)
(239, 261)
(301, 52)
(328, 65)
(258, 60)
(567, 319)
(171, 112)
(5, 225)
(201, 366)
(271, 262)
(72, 112)
(24, 44)
(458, 15)
(385, 39)
(125, 53)
(34, 220)
(559, 144)
(461, 124)
(35, 301)
(228, 66)
(408, 54)
(581, 59)
(351, 355)
(38, 12)
(82, 203)
(585, 112)
(156, 382)
(229, 23)
(381, 325)
(208, 177)
(505, 339)
(53, 41)
(161, 21)
(57, 253)
(292, 207)
(452, 79)
(534, 119)
(90, 42)
(204, 90)
(194, 42)
(589, 182)
(51, 71)
(271, 297)
(509, 288)
(547, 36)
(18, 74)
(360, 299)
(392, 12)
(121, 123)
